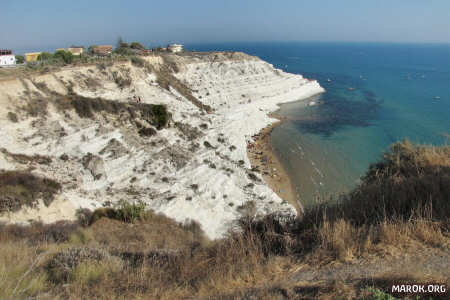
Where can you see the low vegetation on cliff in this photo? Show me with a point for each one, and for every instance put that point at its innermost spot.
(19, 189)
(401, 208)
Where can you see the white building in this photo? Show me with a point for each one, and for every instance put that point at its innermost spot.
(7, 58)
(175, 48)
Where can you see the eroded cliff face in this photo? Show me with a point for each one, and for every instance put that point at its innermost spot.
(181, 149)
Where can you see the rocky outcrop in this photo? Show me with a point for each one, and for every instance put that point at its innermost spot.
(95, 165)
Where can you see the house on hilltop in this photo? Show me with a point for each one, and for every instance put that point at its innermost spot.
(175, 48)
(33, 56)
(102, 50)
(7, 58)
(75, 50)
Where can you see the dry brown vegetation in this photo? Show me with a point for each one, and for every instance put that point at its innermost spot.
(165, 79)
(18, 189)
(127, 252)
(153, 114)
(26, 159)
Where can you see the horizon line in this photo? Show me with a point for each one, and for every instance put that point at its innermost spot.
(251, 41)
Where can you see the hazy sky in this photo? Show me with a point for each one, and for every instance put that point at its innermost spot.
(39, 23)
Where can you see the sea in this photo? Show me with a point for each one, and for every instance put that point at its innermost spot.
(376, 94)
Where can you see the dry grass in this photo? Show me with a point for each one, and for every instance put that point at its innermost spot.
(141, 255)
(18, 189)
(165, 79)
(153, 114)
(26, 159)
(19, 276)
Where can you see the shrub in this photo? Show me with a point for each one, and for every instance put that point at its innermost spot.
(156, 115)
(20, 188)
(146, 131)
(26, 159)
(36, 107)
(13, 117)
(130, 212)
(37, 233)
(125, 212)
(161, 115)
(65, 56)
(84, 216)
(136, 45)
(62, 267)
(377, 294)
(253, 176)
(137, 61)
(409, 182)
(45, 56)
(190, 132)
(20, 59)
(122, 82)
(208, 145)
(105, 212)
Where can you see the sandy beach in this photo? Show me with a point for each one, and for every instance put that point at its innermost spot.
(264, 159)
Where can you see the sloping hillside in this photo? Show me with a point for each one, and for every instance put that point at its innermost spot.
(379, 235)
(181, 149)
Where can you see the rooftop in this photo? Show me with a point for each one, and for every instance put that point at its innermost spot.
(5, 52)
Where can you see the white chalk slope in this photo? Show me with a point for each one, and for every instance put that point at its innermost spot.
(172, 172)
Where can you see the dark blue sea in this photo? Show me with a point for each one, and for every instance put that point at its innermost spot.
(377, 94)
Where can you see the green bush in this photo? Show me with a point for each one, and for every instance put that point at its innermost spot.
(18, 189)
(65, 56)
(161, 116)
(13, 117)
(137, 61)
(130, 212)
(45, 56)
(20, 59)
(146, 131)
(137, 46)
(122, 48)
(125, 212)
(377, 294)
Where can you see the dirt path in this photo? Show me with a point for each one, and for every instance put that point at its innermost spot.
(431, 262)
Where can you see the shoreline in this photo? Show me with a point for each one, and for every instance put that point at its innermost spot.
(264, 159)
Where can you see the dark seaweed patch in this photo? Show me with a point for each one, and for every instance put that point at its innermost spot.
(338, 112)
(339, 107)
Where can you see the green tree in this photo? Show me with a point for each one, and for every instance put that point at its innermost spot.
(20, 59)
(44, 56)
(65, 56)
(121, 44)
(137, 46)
(122, 48)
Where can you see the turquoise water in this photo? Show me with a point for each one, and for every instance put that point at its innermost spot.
(400, 91)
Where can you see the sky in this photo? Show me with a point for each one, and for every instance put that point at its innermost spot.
(31, 24)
